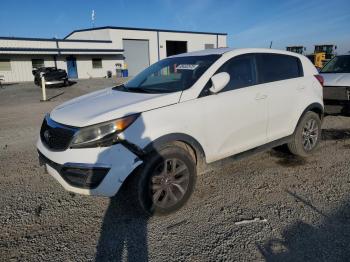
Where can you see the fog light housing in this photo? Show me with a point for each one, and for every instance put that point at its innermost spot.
(84, 177)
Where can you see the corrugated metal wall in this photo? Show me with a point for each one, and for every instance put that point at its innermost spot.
(21, 66)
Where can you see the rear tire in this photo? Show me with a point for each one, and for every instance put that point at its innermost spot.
(166, 180)
(306, 136)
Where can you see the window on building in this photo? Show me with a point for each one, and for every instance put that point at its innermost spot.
(276, 67)
(96, 63)
(208, 46)
(5, 65)
(37, 63)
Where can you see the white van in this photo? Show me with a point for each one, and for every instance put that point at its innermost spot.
(179, 115)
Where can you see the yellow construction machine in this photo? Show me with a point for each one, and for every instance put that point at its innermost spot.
(322, 54)
(296, 49)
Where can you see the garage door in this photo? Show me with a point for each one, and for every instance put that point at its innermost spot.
(136, 54)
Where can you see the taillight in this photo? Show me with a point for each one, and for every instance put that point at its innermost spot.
(320, 79)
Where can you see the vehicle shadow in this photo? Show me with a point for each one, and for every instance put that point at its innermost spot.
(123, 234)
(285, 158)
(124, 231)
(328, 241)
(71, 82)
(335, 134)
(4, 85)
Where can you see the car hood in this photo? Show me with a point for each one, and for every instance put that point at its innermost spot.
(339, 79)
(108, 104)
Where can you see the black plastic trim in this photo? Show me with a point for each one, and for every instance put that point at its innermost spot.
(53, 125)
(135, 149)
(44, 160)
(62, 171)
(311, 107)
(250, 152)
(192, 142)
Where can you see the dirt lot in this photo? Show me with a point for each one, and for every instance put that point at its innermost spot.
(270, 206)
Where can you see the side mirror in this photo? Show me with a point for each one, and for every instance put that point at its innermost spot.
(219, 81)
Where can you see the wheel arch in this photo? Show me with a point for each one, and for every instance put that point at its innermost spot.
(188, 140)
(314, 107)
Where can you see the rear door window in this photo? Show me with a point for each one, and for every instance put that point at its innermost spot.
(277, 67)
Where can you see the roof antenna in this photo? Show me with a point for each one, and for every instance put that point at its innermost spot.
(270, 44)
(93, 18)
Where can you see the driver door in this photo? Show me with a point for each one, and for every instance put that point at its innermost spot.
(236, 117)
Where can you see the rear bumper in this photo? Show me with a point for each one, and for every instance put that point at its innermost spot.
(89, 171)
(334, 95)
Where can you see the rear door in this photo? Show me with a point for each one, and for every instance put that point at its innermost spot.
(281, 77)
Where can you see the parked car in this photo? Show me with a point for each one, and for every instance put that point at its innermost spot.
(2, 78)
(177, 117)
(52, 75)
(336, 74)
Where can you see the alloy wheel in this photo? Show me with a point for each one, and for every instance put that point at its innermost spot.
(310, 134)
(169, 182)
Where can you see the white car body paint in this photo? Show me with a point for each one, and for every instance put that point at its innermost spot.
(224, 124)
(108, 104)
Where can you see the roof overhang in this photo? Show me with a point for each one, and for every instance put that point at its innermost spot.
(144, 29)
(59, 51)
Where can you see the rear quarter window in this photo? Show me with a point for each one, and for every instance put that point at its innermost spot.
(277, 67)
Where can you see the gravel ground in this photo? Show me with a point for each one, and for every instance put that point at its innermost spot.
(270, 206)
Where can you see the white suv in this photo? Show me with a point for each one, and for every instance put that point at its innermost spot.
(179, 115)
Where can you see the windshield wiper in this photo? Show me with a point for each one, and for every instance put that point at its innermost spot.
(140, 90)
(120, 88)
(133, 89)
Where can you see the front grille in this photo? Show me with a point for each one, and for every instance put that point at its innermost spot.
(56, 136)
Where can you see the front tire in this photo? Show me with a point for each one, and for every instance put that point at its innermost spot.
(306, 136)
(166, 180)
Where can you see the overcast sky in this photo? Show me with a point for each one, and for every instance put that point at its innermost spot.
(250, 23)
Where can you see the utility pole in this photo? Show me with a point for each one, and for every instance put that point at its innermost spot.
(93, 18)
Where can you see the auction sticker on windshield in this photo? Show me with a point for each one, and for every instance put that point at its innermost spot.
(187, 66)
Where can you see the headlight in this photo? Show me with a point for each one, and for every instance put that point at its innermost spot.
(104, 134)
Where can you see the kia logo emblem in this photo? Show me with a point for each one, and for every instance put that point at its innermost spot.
(47, 135)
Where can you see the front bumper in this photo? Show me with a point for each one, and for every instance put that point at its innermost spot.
(55, 82)
(51, 82)
(89, 171)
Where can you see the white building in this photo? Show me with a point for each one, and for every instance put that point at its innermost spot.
(92, 52)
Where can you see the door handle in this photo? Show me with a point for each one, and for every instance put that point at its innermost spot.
(301, 87)
(260, 97)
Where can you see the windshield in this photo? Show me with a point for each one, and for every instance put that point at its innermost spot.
(339, 64)
(170, 75)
